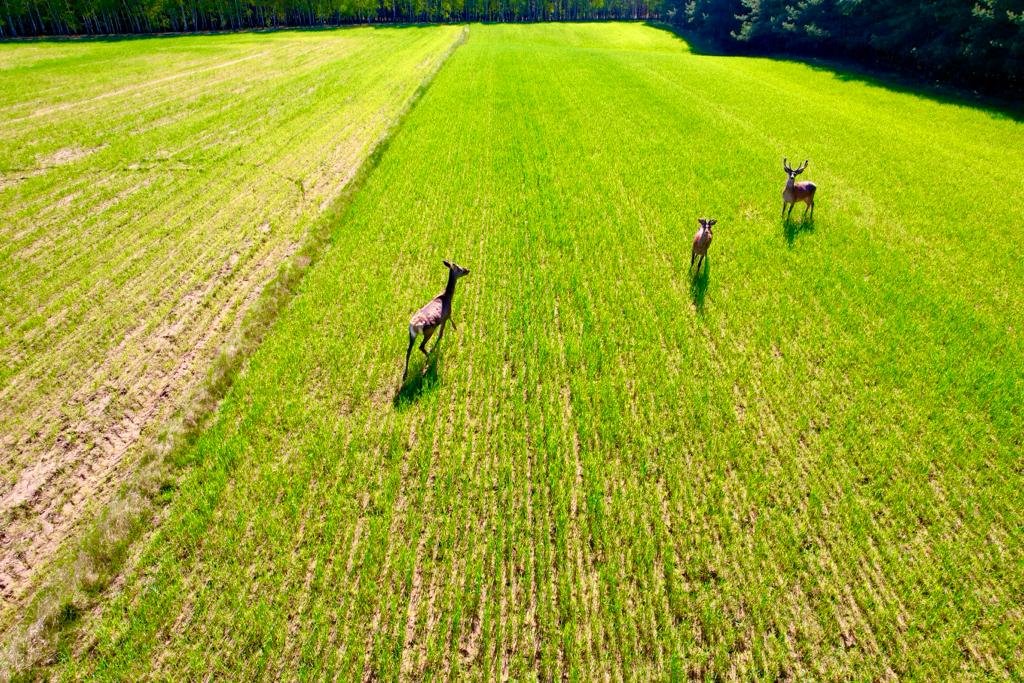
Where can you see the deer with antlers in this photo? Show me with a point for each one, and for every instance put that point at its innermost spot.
(701, 241)
(434, 315)
(794, 191)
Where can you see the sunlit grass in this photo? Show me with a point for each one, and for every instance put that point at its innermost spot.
(805, 462)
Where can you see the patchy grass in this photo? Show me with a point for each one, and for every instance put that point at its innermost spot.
(803, 463)
(150, 189)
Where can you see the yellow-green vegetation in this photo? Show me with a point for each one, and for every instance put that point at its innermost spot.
(148, 189)
(804, 462)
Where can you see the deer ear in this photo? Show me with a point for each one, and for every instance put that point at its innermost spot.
(713, 221)
(446, 264)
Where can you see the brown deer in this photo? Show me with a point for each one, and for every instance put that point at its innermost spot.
(434, 315)
(701, 241)
(797, 191)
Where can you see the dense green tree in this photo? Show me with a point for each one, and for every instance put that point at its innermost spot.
(717, 19)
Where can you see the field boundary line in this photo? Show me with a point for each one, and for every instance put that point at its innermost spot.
(76, 581)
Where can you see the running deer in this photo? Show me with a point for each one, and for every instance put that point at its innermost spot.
(434, 315)
(701, 241)
(797, 192)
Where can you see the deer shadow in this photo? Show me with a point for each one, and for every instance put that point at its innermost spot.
(791, 229)
(419, 382)
(699, 285)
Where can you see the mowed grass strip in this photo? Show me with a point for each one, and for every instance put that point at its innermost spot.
(149, 188)
(803, 463)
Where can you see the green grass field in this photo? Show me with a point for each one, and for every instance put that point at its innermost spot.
(803, 463)
(148, 189)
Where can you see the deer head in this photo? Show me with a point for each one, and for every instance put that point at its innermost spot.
(456, 270)
(706, 223)
(791, 172)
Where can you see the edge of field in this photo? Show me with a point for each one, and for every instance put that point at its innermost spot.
(76, 581)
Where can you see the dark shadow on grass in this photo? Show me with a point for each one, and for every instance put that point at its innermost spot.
(791, 229)
(421, 380)
(699, 285)
(1006, 105)
(690, 41)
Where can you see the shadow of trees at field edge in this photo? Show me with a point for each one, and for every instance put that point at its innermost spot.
(421, 380)
(877, 75)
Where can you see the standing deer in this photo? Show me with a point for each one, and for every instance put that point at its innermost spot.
(797, 192)
(701, 241)
(436, 313)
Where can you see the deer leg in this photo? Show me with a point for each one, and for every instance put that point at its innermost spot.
(700, 263)
(790, 214)
(812, 208)
(428, 332)
(783, 209)
(412, 340)
(807, 207)
(440, 336)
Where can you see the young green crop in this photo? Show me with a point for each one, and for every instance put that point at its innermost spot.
(802, 463)
(148, 189)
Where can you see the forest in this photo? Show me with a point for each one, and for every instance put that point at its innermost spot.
(977, 44)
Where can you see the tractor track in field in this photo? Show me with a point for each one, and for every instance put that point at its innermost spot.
(45, 111)
(51, 496)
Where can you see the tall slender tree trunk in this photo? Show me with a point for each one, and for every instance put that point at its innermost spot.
(35, 27)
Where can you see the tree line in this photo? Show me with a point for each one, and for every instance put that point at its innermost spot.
(979, 43)
(94, 17)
